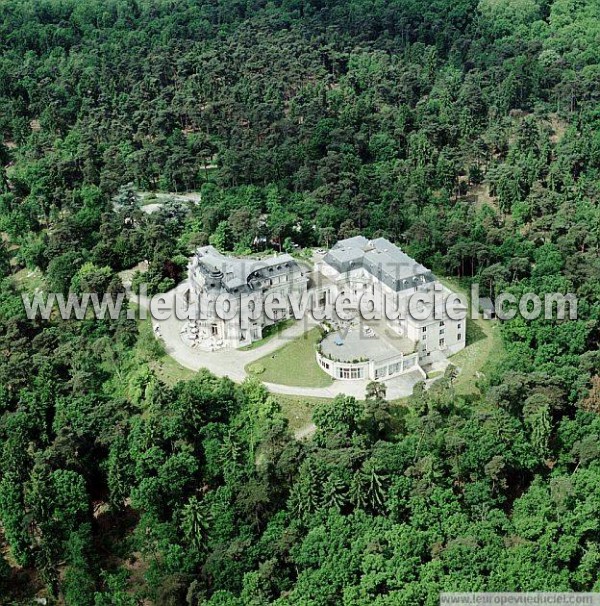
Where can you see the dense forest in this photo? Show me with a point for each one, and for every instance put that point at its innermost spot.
(467, 131)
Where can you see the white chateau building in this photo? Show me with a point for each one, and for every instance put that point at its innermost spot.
(354, 348)
(357, 265)
(212, 274)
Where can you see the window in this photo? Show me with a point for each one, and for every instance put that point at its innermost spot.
(459, 336)
(214, 330)
(394, 368)
(442, 331)
(424, 338)
(442, 342)
(459, 326)
(351, 373)
(424, 329)
(442, 323)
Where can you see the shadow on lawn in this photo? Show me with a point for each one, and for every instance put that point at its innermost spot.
(474, 333)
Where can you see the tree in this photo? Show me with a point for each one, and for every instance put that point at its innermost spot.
(377, 409)
(337, 419)
(335, 493)
(367, 489)
(195, 524)
(469, 137)
(61, 270)
(4, 260)
(592, 401)
(376, 391)
(222, 238)
(503, 17)
(92, 279)
(127, 203)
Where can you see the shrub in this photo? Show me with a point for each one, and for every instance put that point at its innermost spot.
(256, 369)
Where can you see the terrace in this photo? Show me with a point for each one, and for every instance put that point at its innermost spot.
(361, 341)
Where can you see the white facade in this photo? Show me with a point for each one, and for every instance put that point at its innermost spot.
(214, 276)
(358, 267)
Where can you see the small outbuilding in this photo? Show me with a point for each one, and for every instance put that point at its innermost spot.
(487, 307)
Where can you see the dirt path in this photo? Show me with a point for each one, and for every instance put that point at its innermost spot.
(305, 432)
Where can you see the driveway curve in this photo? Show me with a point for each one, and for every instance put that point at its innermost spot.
(231, 362)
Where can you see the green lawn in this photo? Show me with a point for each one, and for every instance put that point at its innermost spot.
(297, 409)
(293, 364)
(152, 351)
(30, 281)
(171, 372)
(484, 348)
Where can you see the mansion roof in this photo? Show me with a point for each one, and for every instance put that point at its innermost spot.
(380, 258)
(237, 275)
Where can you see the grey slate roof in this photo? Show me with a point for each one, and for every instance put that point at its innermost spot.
(240, 274)
(381, 259)
(486, 304)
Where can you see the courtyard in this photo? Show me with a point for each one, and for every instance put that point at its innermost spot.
(289, 360)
